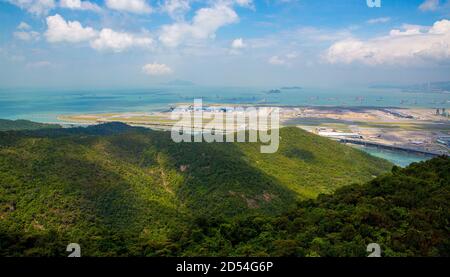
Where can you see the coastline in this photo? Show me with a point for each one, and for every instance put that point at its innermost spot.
(417, 128)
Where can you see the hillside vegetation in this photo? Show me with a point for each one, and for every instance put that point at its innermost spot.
(407, 212)
(119, 190)
(20, 124)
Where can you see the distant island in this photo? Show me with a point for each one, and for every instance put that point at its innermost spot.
(277, 91)
(274, 91)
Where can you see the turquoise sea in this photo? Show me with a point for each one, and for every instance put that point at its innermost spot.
(400, 158)
(44, 105)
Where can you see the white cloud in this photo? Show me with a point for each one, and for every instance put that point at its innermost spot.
(172, 35)
(119, 41)
(27, 36)
(25, 33)
(204, 25)
(379, 20)
(276, 60)
(79, 5)
(429, 5)
(176, 8)
(238, 44)
(133, 6)
(208, 20)
(37, 7)
(244, 3)
(411, 45)
(23, 26)
(408, 30)
(58, 30)
(156, 69)
(285, 59)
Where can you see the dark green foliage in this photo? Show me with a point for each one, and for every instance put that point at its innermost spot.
(121, 191)
(406, 212)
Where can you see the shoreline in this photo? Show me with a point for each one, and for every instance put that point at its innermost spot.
(400, 135)
(416, 128)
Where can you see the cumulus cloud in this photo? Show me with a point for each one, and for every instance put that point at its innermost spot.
(79, 5)
(176, 8)
(26, 36)
(133, 6)
(119, 41)
(276, 60)
(156, 69)
(25, 33)
(238, 44)
(410, 45)
(204, 25)
(429, 5)
(23, 26)
(244, 3)
(59, 30)
(37, 7)
(283, 60)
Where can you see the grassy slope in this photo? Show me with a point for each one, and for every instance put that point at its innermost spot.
(117, 189)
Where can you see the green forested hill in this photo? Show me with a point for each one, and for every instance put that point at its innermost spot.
(119, 190)
(407, 212)
(16, 125)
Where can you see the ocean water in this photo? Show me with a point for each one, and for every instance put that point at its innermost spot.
(400, 158)
(45, 105)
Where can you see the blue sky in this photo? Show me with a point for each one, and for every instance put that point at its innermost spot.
(139, 43)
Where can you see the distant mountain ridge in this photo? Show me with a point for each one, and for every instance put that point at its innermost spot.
(20, 124)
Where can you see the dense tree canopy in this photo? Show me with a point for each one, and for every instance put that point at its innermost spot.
(121, 191)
